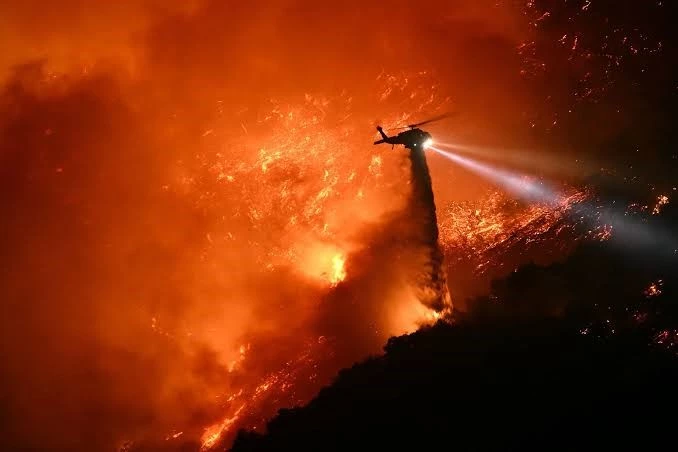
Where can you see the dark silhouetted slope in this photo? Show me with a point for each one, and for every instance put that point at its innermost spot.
(571, 356)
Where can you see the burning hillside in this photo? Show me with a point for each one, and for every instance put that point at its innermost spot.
(493, 236)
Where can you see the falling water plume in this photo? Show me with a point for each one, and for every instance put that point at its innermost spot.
(431, 282)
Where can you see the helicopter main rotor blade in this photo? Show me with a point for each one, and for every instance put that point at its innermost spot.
(434, 119)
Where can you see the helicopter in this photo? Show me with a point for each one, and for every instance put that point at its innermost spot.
(412, 139)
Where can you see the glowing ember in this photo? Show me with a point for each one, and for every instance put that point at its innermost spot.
(173, 436)
(601, 233)
(661, 202)
(654, 289)
(667, 338)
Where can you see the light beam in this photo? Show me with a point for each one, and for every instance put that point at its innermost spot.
(630, 231)
(518, 184)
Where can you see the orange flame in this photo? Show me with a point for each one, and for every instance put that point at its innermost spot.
(214, 432)
(338, 270)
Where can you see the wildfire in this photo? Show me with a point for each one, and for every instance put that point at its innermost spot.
(292, 203)
(228, 203)
(338, 270)
(294, 196)
(471, 230)
(213, 433)
(468, 231)
(242, 351)
(287, 386)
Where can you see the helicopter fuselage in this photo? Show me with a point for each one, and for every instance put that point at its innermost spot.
(412, 139)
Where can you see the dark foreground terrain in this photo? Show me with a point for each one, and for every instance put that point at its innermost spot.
(577, 355)
(480, 389)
